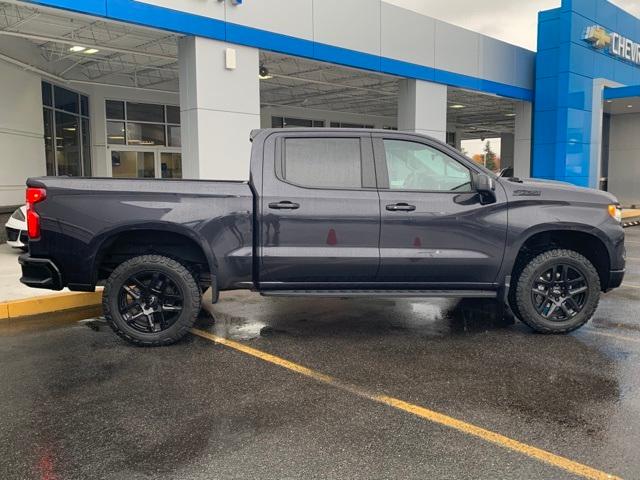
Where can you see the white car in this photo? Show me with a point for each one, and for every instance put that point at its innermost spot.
(16, 228)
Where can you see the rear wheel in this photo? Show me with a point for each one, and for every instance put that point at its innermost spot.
(151, 300)
(557, 292)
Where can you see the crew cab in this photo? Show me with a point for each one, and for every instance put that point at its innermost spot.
(326, 212)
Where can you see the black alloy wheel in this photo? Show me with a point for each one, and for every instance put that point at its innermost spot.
(559, 292)
(556, 291)
(150, 301)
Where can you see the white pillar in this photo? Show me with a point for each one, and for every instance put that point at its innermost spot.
(507, 150)
(21, 133)
(422, 108)
(219, 105)
(522, 148)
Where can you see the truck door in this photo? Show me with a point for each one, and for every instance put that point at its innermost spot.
(320, 212)
(434, 227)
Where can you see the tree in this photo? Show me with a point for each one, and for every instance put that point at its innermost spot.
(489, 157)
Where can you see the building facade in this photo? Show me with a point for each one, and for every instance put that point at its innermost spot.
(172, 88)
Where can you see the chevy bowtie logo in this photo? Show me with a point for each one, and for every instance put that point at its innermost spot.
(612, 43)
(597, 36)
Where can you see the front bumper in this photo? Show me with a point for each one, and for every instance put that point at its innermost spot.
(40, 273)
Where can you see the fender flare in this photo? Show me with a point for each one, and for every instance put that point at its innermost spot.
(103, 238)
(516, 244)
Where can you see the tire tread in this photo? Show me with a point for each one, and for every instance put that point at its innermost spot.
(522, 295)
(193, 295)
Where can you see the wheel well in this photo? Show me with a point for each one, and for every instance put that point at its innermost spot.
(134, 243)
(585, 244)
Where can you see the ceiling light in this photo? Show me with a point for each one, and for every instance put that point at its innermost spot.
(509, 114)
(629, 106)
(91, 51)
(457, 106)
(609, 101)
(77, 48)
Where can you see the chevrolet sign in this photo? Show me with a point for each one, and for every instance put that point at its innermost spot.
(617, 45)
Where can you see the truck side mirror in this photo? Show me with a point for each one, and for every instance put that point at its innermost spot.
(486, 188)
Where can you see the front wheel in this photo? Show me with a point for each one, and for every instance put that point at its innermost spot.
(557, 292)
(151, 300)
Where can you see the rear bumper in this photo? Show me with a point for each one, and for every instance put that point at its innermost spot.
(615, 279)
(40, 273)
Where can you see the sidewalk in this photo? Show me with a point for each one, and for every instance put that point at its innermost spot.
(10, 286)
(19, 301)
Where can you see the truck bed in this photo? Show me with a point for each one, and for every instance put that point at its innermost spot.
(82, 216)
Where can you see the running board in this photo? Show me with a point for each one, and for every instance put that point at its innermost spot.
(383, 293)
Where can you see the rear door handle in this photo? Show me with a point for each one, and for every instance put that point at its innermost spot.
(401, 207)
(284, 205)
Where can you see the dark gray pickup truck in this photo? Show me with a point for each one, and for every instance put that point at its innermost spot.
(327, 212)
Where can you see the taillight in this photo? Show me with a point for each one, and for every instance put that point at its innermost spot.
(34, 195)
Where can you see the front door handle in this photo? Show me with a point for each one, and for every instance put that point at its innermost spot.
(401, 207)
(284, 205)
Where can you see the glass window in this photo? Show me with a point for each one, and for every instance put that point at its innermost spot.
(116, 133)
(288, 122)
(174, 133)
(47, 96)
(68, 144)
(84, 106)
(349, 125)
(145, 112)
(171, 165)
(132, 164)
(48, 142)
(115, 110)
(145, 134)
(66, 100)
(86, 148)
(323, 162)
(173, 114)
(414, 166)
(67, 131)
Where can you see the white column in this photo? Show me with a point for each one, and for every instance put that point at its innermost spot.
(21, 133)
(522, 147)
(507, 150)
(422, 108)
(220, 105)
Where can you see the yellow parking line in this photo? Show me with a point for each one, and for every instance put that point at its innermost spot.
(629, 285)
(422, 412)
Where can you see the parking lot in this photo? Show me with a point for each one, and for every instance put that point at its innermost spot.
(317, 388)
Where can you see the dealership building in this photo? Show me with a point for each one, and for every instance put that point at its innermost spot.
(172, 88)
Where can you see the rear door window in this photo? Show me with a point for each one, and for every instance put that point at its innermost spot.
(323, 162)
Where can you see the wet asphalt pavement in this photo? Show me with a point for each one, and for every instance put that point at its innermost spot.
(76, 402)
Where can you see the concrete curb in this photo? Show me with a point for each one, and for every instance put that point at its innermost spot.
(633, 222)
(29, 307)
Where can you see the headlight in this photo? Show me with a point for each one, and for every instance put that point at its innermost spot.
(616, 212)
(18, 215)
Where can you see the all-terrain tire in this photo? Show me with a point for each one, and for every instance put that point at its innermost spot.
(178, 273)
(524, 304)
